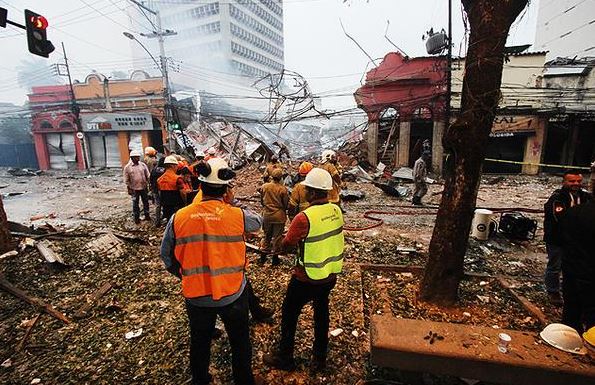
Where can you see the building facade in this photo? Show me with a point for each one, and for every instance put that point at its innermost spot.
(565, 28)
(117, 116)
(242, 36)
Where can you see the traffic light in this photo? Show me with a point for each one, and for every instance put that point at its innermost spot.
(174, 125)
(37, 41)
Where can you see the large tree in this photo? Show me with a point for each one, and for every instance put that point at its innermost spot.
(465, 142)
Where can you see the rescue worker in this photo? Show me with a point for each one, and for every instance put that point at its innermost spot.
(568, 196)
(577, 232)
(328, 160)
(297, 200)
(154, 176)
(318, 234)
(420, 173)
(150, 158)
(275, 200)
(272, 165)
(136, 177)
(171, 188)
(199, 157)
(204, 245)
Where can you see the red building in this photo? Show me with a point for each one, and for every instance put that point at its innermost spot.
(54, 128)
(405, 100)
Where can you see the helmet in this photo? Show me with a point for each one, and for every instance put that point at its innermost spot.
(150, 151)
(564, 338)
(170, 160)
(200, 154)
(215, 171)
(326, 155)
(211, 151)
(134, 153)
(319, 179)
(277, 173)
(589, 337)
(305, 168)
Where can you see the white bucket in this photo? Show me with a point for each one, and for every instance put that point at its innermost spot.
(480, 228)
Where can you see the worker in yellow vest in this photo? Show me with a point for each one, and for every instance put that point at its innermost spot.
(318, 234)
(204, 245)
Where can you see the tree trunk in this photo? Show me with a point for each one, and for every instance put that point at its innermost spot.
(6, 243)
(465, 143)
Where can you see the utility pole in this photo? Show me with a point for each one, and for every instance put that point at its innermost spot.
(160, 34)
(449, 67)
(74, 107)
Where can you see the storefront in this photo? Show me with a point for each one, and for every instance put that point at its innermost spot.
(109, 137)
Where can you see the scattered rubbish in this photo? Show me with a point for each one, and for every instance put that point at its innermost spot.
(336, 332)
(433, 337)
(352, 195)
(24, 172)
(12, 194)
(503, 342)
(406, 275)
(42, 216)
(389, 190)
(26, 242)
(9, 254)
(10, 288)
(30, 326)
(467, 314)
(516, 263)
(483, 298)
(406, 250)
(48, 254)
(7, 363)
(134, 334)
(82, 212)
(406, 173)
(357, 173)
(355, 333)
(482, 283)
(495, 180)
(104, 289)
(106, 245)
(16, 227)
(36, 381)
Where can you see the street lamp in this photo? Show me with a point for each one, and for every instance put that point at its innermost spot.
(132, 37)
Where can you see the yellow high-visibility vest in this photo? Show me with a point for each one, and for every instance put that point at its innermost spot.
(322, 251)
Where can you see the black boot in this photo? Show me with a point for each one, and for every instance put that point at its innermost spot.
(278, 361)
(276, 261)
(416, 201)
(262, 314)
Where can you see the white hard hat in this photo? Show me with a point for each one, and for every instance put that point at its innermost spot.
(326, 155)
(211, 151)
(319, 179)
(215, 171)
(200, 153)
(134, 153)
(564, 338)
(171, 159)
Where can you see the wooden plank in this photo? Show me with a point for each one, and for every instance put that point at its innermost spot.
(10, 288)
(106, 287)
(28, 332)
(472, 352)
(528, 305)
(47, 253)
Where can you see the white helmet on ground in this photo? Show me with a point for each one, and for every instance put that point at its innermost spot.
(319, 179)
(134, 153)
(215, 171)
(564, 338)
(171, 159)
(327, 155)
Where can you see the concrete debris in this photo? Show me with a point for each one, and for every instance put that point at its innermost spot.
(48, 253)
(9, 254)
(336, 332)
(352, 195)
(24, 172)
(406, 173)
(134, 334)
(106, 245)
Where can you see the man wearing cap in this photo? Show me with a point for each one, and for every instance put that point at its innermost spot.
(136, 177)
(318, 234)
(297, 200)
(275, 199)
(420, 172)
(203, 245)
(329, 163)
(172, 188)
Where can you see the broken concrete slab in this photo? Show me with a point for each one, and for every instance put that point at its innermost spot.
(106, 245)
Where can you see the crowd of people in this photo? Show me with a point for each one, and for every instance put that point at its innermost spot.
(204, 246)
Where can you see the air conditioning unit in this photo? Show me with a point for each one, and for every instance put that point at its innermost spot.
(436, 43)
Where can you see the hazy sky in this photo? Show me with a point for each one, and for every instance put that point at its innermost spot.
(315, 44)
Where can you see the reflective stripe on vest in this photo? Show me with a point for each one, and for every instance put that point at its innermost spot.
(323, 246)
(210, 248)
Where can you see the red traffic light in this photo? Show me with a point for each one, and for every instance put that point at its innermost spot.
(38, 22)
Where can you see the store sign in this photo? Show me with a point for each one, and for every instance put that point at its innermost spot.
(117, 122)
(513, 125)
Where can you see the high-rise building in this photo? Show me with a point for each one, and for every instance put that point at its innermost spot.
(237, 36)
(565, 28)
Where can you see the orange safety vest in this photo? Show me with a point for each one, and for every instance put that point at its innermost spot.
(210, 248)
(168, 181)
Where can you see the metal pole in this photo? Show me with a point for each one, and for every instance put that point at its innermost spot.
(165, 74)
(449, 66)
(75, 110)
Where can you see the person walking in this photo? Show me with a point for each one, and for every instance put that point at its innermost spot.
(562, 199)
(158, 170)
(297, 199)
(420, 172)
(171, 188)
(136, 177)
(204, 246)
(275, 200)
(318, 234)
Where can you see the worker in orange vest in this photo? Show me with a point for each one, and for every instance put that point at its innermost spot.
(172, 188)
(204, 245)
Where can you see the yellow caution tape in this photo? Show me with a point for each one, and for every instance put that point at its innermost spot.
(538, 164)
